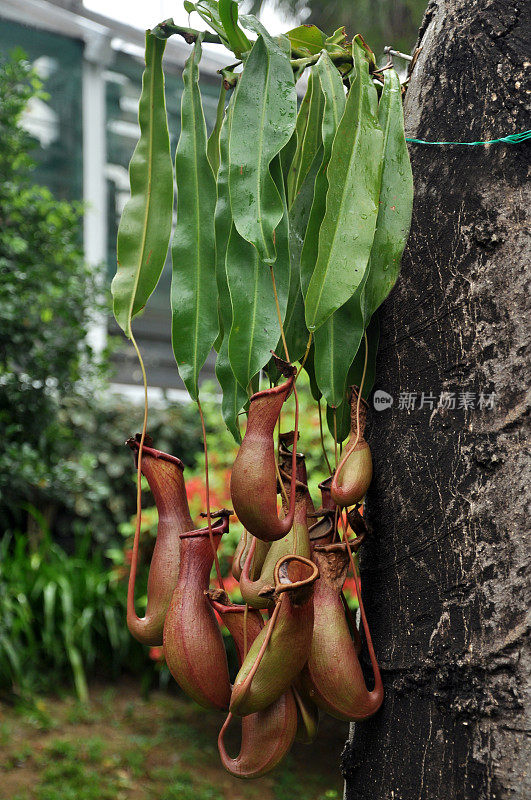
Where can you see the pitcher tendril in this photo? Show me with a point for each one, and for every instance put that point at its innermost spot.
(354, 472)
(279, 315)
(138, 523)
(321, 434)
(207, 493)
(306, 353)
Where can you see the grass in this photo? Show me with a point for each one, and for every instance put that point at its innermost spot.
(125, 747)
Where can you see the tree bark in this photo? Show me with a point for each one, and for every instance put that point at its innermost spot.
(445, 575)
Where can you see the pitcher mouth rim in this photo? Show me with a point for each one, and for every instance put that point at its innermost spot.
(286, 587)
(327, 483)
(153, 452)
(219, 527)
(274, 390)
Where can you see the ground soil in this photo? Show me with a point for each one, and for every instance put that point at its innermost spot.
(128, 747)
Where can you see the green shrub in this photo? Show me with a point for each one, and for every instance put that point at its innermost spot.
(47, 296)
(63, 618)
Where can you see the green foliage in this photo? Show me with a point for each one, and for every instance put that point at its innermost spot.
(213, 139)
(145, 227)
(47, 298)
(334, 106)
(255, 327)
(309, 121)
(336, 343)
(63, 618)
(396, 199)
(347, 230)
(228, 15)
(193, 292)
(307, 40)
(265, 108)
(358, 365)
(294, 324)
(296, 192)
(234, 395)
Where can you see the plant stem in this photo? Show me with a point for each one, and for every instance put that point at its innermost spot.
(207, 486)
(138, 523)
(322, 436)
(167, 28)
(279, 315)
(245, 619)
(335, 436)
(281, 482)
(352, 447)
(297, 63)
(303, 362)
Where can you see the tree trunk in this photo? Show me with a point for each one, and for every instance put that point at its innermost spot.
(445, 575)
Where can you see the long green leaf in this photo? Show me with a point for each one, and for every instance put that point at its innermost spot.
(112, 628)
(338, 339)
(195, 324)
(354, 378)
(145, 226)
(289, 154)
(354, 173)
(336, 344)
(213, 153)
(49, 595)
(213, 139)
(307, 39)
(396, 198)
(286, 157)
(251, 23)
(336, 44)
(80, 681)
(265, 108)
(234, 395)
(310, 141)
(13, 657)
(334, 107)
(255, 326)
(295, 324)
(228, 13)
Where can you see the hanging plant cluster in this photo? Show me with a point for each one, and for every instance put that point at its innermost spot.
(291, 223)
